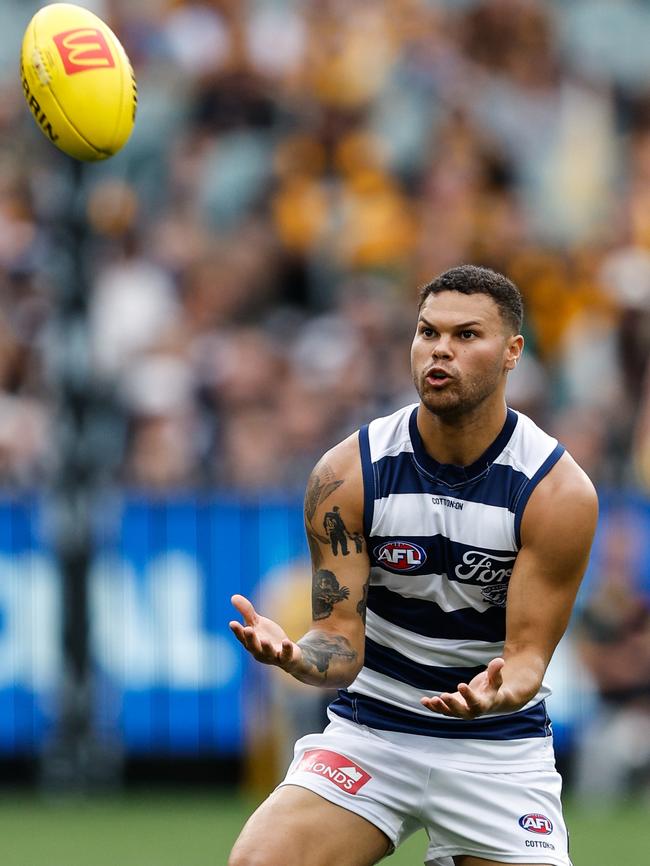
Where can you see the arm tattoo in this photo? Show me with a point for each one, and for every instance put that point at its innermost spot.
(314, 546)
(325, 593)
(319, 650)
(337, 531)
(363, 603)
(321, 485)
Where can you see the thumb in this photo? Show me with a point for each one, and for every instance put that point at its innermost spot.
(245, 608)
(494, 675)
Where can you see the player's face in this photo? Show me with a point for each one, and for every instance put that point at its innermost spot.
(461, 352)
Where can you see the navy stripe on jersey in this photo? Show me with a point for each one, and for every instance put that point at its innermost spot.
(444, 556)
(532, 722)
(429, 619)
(498, 485)
(526, 492)
(367, 472)
(391, 663)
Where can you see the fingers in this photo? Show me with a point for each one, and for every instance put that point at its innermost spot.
(495, 677)
(437, 705)
(245, 608)
(246, 636)
(453, 706)
(262, 648)
(287, 653)
(474, 703)
(469, 702)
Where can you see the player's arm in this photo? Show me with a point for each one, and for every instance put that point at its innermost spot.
(331, 653)
(557, 530)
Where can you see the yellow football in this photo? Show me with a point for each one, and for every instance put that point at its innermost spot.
(78, 82)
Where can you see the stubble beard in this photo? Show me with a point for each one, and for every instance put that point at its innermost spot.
(456, 401)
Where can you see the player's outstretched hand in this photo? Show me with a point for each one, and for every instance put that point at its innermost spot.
(481, 695)
(264, 639)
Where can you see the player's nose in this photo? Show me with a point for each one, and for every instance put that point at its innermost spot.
(442, 348)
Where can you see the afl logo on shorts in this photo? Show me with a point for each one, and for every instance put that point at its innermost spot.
(536, 823)
(400, 555)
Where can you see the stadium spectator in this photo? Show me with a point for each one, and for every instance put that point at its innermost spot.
(285, 152)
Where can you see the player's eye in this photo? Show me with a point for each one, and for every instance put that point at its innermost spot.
(467, 334)
(426, 332)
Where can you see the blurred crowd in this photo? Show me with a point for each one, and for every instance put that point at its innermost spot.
(298, 169)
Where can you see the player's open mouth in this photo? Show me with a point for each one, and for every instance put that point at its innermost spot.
(438, 377)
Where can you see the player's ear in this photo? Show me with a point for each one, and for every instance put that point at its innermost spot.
(514, 348)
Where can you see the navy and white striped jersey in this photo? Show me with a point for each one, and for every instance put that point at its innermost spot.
(442, 542)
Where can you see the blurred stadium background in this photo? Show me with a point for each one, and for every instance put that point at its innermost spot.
(186, 328)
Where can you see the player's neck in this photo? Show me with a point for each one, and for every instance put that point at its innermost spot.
(460, 441)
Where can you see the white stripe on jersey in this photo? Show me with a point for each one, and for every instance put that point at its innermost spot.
(387, 439)
(449, 595)
(399, 694)
(475, 525)
(428, 650)
(528, 447)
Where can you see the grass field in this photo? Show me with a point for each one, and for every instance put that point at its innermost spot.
(186, 829)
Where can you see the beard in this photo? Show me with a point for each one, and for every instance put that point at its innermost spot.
(457, 399)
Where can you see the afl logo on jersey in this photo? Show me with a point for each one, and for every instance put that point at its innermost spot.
(400, 555)
(536, 823)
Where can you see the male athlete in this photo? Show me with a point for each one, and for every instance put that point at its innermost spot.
(477, 527)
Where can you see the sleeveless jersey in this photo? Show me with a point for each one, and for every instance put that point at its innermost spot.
(442, 542)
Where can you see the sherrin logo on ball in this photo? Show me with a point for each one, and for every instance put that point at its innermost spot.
(78, 82)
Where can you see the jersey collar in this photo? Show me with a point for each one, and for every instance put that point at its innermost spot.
(456, 476)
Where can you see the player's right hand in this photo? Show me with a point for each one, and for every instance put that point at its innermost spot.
(263, 638)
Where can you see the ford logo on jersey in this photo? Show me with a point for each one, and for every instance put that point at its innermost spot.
(536, 823)
(400, 555)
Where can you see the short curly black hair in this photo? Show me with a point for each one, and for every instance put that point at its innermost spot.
(473, 280)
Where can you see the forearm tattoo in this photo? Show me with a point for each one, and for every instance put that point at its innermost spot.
(318, 650)
(325, 593)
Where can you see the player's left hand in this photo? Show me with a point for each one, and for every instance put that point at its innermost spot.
(483, 694)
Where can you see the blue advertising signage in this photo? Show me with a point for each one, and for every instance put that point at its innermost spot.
(169, 678)
(169, 671)
(168, 674)
(30, 620)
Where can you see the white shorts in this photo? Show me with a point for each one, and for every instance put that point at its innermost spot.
(499, 800)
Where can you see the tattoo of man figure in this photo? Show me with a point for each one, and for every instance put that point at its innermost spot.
(322, 484)
(320, 649)
(336, 531)
(325, 593)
